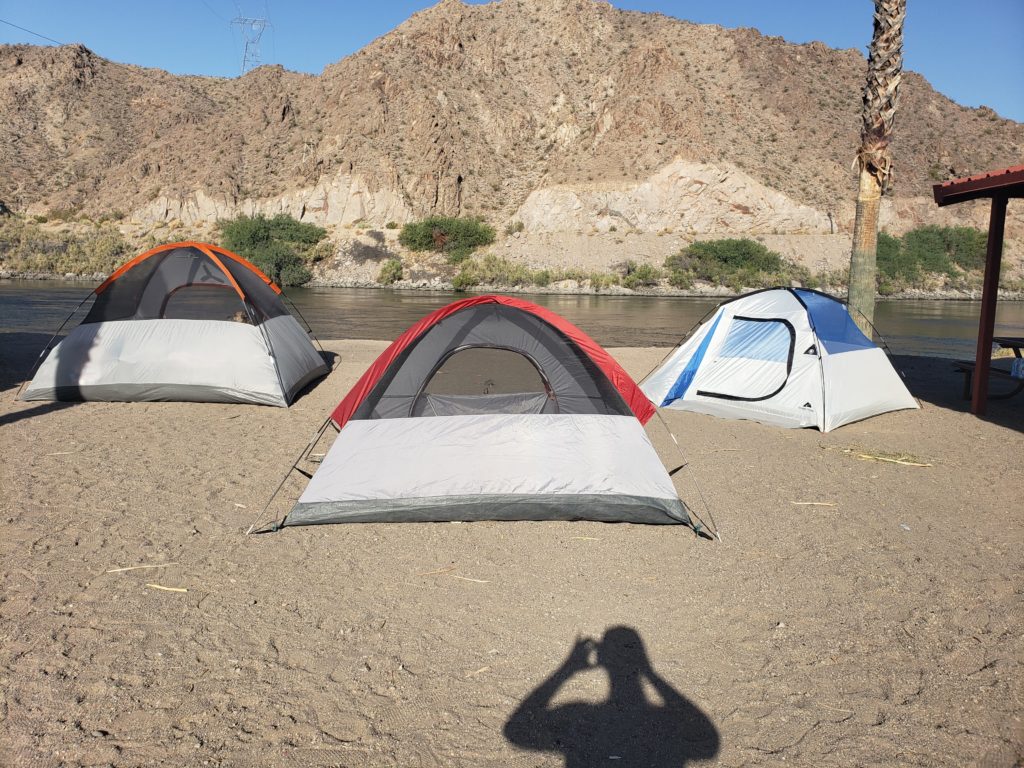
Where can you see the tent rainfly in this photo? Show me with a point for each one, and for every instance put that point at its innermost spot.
(185, 321)
(491, 408)
(781, 356)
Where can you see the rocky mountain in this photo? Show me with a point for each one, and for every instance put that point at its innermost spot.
(564, 114)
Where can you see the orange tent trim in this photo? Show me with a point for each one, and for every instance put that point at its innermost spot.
(207, 249)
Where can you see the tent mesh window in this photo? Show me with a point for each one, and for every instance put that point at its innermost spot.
(485, 380)
(754, 361)
(171, 285)
(204, 301)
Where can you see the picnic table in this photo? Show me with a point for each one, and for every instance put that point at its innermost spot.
(1016, 343)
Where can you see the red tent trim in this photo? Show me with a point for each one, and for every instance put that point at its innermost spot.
(637, 401)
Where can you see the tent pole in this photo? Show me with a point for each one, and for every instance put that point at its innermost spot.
(292, 468)
(714, 526)
(39, 360)
(301, 317)
(679, 343)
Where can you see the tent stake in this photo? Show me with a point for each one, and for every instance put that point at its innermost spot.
(295, 465)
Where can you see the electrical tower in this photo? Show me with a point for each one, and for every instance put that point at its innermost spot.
(252, 31)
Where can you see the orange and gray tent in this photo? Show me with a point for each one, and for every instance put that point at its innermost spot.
(491, 408)
(186, 321)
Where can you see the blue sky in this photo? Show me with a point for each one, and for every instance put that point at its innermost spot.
(970, 50)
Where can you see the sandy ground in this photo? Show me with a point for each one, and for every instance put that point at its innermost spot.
(883, 629)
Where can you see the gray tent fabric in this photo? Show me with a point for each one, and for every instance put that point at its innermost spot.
(575, 383)
(491, 413)
(177, 324)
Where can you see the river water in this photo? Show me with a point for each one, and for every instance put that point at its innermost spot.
(914, 327)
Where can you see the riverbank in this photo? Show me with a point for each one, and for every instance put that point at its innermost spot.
(563, 288)
(857, 611)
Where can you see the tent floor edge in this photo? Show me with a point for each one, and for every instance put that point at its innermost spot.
(608, 508)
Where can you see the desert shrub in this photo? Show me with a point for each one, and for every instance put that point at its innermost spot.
(940, 249)
(280, 246)
(62, 214)
(956, 254)
(736, 263)
(27, 247)
(457, 238)
(391, 225)
(894, 267)
(678, 279)
(390, 272)
(639, 275)
(513, 227)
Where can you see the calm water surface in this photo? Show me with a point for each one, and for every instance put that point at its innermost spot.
(924, 327)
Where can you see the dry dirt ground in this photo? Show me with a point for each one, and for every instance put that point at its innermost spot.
(881, 627)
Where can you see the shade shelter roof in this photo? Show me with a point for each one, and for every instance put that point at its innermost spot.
(1009, 182)
(999, 186)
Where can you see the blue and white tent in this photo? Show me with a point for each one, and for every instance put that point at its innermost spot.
(790, 357)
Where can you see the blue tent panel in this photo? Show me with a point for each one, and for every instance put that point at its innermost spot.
(832, 323)
(686, 377)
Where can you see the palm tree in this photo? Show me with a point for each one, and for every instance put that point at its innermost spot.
(874, 159)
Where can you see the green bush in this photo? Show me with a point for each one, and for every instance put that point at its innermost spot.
(391, 225)
(640, 275)
(390, 272)
(953, 253)
(281, 246)
(513, 227)
(892, 262)
(736, 263)
(456, 238)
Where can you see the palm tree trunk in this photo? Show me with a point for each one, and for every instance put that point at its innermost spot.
(863, 265)
(874, 159)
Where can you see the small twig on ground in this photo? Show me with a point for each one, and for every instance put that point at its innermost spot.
(449, 569)
(873, 457)
(814, 503)
(139, 567)
(466, 578)
(167, 589)
(585, 538)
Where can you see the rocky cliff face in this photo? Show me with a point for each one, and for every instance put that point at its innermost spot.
(565, 114)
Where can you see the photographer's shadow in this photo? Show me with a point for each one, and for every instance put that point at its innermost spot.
(628, 727)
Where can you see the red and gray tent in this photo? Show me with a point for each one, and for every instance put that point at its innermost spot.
(491, 408)
(184, 321)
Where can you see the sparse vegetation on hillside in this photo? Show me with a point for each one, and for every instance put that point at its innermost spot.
(282, 247)
(735, 263)
(26, 246)
(457, 238)
(496, 271)
(390, 272)
(640, 275)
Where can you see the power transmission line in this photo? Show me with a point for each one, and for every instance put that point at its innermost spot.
(10, 24)
(212, 11)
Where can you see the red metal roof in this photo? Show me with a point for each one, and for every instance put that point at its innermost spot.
(1007, 182)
